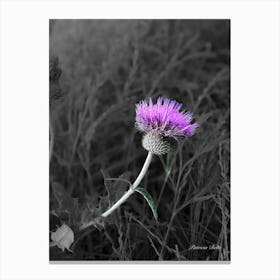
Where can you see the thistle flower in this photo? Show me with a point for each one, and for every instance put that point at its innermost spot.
(160, 121)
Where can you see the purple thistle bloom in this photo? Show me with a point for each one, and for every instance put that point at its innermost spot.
(164, 118)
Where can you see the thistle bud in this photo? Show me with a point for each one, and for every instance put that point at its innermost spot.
(155, 143)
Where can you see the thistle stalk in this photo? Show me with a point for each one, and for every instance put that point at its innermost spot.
(132, 188)
(158, 122)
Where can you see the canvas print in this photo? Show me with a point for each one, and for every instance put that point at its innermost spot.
(139, 140)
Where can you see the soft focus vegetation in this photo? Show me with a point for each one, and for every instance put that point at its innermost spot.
(98, 71)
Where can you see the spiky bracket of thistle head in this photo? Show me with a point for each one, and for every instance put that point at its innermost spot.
(161, 121)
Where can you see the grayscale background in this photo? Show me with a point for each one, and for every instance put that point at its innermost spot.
(99, 70)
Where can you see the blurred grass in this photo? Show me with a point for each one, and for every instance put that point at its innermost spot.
(109, 65)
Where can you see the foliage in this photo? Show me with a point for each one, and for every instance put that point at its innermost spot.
(149, 199)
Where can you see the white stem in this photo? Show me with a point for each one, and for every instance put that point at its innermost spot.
(133, 187)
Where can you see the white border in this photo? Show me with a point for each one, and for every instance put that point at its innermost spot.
(24, 138)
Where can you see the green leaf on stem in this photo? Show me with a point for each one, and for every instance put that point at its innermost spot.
(149, 199)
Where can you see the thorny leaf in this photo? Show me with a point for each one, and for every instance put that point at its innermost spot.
(68, 209)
